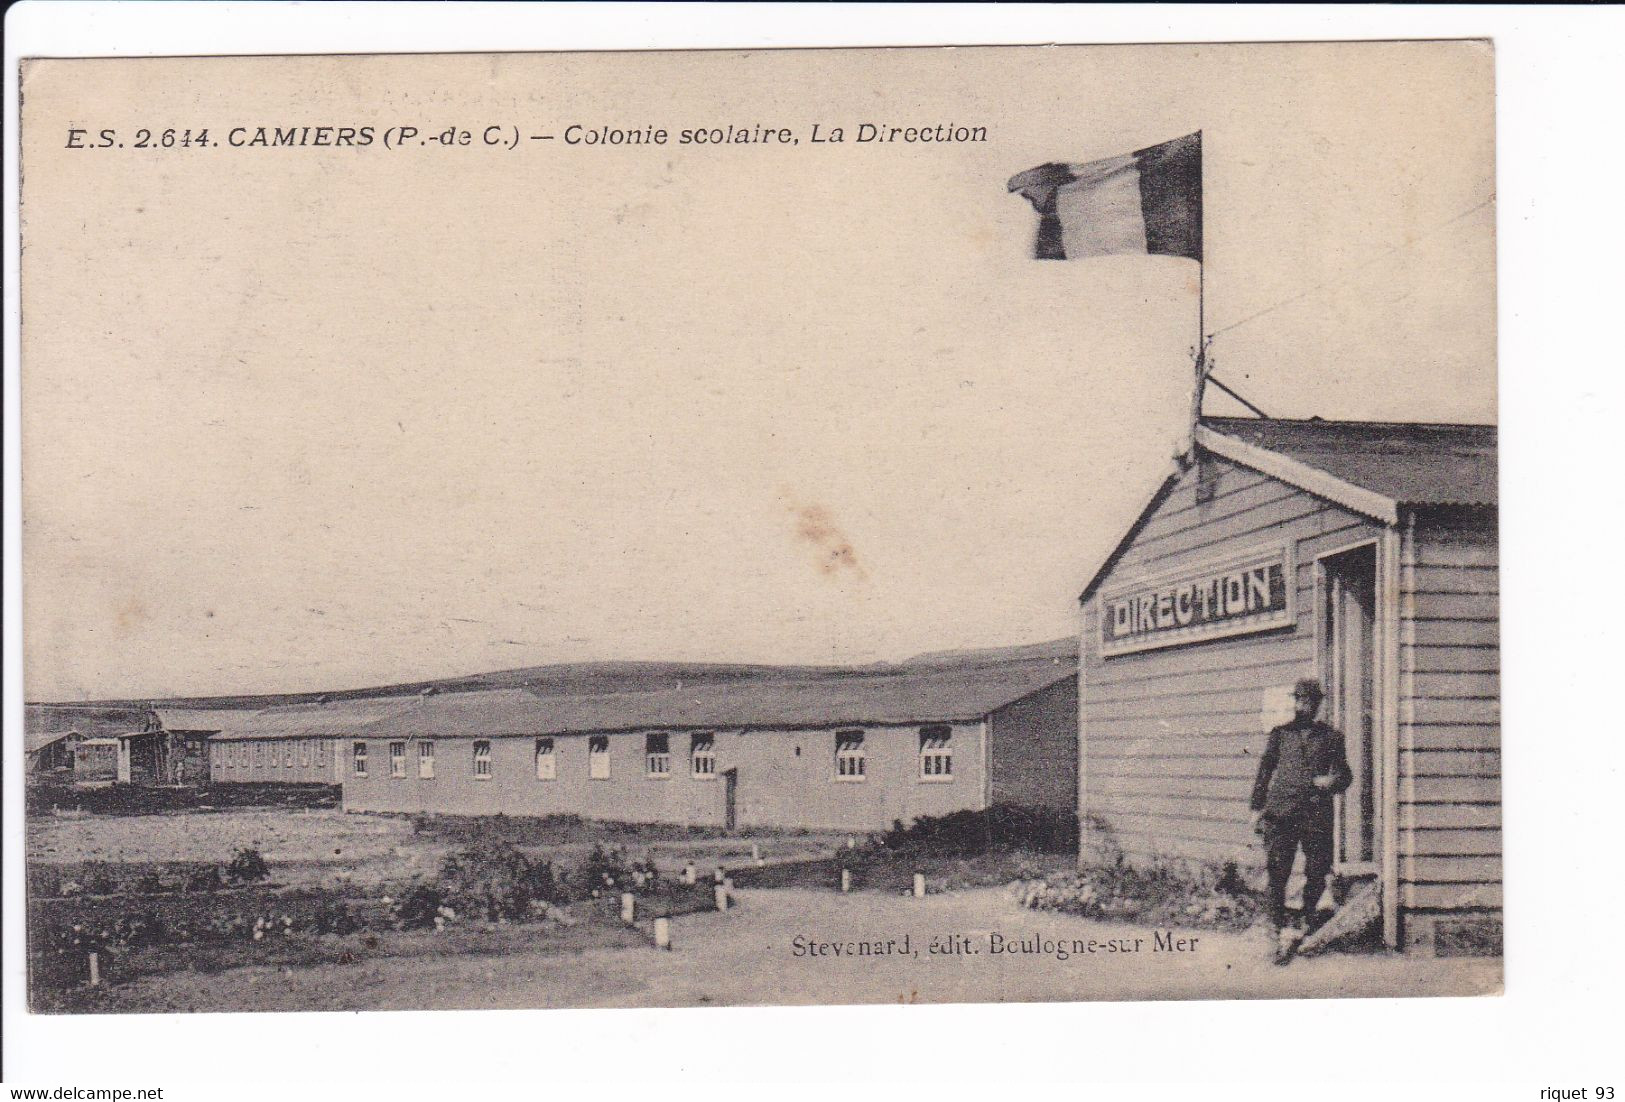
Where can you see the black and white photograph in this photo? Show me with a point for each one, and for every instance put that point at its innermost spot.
(781, 527)
(634, 551)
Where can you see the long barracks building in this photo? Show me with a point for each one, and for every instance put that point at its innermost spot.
(1363, 554)
(849, 751)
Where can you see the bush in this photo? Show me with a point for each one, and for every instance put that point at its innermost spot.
(971, 833)
(418, 908)
(608, 870)
(1161, 893)
(495, 879)
(247, 866)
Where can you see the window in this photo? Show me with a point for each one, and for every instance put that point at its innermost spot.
(360, 760)
(657, 752)
(304, 751)
(321, 751)
(547, 766)
(598, 757)
(287, 755)
(702, 754)
(259, 754)
(426, 760)
(397, 759)
(849, 764)
(482, 758)
(936, 753)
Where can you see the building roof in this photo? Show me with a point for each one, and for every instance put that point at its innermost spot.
(205, 720)
(39, 740)
(1408, 464)
(897, 694)
(44, 724)
(334, 720)
(1374, 468)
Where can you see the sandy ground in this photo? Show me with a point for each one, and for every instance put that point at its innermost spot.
(299, 845)
(748, 957)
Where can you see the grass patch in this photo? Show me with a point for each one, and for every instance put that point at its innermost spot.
(137, 799)
(564, 830)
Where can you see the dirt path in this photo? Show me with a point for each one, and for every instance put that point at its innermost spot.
(749, 956)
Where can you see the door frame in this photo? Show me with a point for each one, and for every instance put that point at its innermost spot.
(1385, 676)
(1323, 655)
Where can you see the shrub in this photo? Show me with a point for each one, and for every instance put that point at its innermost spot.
(247, 866)
(1161, 893)
(607, 869)
(1003, 826)
(495, 879)
(418, 907)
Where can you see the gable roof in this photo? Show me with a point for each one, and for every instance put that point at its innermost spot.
(36, 741)
(1403, 464)
(334, 720)
(44, 724)
(199, 719)
(1374, 468)
(897, 695)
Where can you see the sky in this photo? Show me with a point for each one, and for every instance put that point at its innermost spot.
(320, 418)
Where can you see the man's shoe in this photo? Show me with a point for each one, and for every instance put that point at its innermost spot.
(1286, 943)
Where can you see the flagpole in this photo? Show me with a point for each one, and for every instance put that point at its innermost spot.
(1201, 293)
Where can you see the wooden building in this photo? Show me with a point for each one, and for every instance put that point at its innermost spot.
(1362, 554)
(289, 743)
(850, 751)
(96, 760)
(56, 735)
(50, 753)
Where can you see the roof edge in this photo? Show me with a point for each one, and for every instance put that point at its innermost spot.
(1122, 545)
(1295, 473)
(1332, 422)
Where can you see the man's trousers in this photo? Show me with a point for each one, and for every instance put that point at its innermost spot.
(1283, 835)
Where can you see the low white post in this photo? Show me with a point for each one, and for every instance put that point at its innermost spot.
(688, 873)
(919, 885)
(95, 970)
(846, 880)
(851, 841)
(722, 897)
(756, 853)
(662, 933)
(718, 875)
(629, 907)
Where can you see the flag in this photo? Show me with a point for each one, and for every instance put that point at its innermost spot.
(1145, 203)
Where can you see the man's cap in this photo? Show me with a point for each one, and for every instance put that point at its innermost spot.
(1308, 686)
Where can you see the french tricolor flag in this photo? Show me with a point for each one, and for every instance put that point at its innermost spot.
(1146, 203)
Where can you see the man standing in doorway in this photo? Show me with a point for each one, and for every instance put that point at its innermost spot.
(1303, 767)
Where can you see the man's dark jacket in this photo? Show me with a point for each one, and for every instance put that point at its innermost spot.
(1297, 753)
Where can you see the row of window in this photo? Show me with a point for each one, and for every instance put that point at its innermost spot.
(284, 755)
(936, 756)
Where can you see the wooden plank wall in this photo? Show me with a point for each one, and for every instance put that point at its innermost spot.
(1033, 749)
(1450, 717)
(1173, 736)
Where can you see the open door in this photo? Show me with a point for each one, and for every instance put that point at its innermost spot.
(730, 798)
(1348, 602)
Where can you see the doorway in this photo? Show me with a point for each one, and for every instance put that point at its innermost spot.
(1347, 626)
(730, 799)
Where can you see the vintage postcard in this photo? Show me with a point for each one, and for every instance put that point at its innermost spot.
(772, 527)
